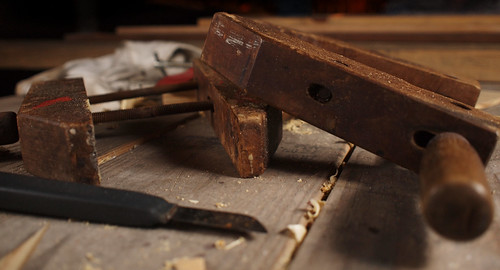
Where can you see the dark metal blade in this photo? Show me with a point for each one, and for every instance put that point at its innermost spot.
(217, 219)
(54, 198)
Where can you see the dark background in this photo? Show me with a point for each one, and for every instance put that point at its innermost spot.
(53, 19)
(27, 19)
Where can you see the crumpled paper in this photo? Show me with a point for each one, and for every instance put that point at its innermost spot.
(136, 64)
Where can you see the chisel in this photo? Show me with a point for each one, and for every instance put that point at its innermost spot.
(33, 195)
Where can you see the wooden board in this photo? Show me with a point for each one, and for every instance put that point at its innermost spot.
(187, 165)
(372, 220)
(479, 28)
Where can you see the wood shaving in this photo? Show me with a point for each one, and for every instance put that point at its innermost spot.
(235, 243)
(110, 227)
(186, 263)
(327, 187)
(315, 207)
(297, 231)
(15, 259)
(221, 205)
(221, 244)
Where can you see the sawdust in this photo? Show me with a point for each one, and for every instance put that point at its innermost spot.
(91, 267)
(165, 246)
(92, 262)
(110, 227)
(186, 263)
(221, 205)
(220, 244)
(90, 257)
(297, 126)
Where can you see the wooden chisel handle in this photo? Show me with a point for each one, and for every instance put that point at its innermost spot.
(456, 198)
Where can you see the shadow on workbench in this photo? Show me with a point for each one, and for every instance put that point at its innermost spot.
(196, 147)
(377, 219)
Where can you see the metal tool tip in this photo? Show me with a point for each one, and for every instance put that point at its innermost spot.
(217, 219)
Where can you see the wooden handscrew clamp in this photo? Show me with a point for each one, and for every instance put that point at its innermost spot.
(56, 127)
(420, 119)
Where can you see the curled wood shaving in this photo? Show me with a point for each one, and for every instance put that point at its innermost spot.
(19, 256)
(314, 209)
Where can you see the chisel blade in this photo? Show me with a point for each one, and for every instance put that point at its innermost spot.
(78, 201)
(217, 219)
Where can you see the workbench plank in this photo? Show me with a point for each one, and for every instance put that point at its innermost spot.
(413, 28)
(188, 163)
(372, 220)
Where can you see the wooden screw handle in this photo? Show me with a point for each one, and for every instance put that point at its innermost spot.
(8, 128)
(456, 198)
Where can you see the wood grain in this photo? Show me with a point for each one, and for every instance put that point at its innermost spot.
(445, 28)
(187, 165)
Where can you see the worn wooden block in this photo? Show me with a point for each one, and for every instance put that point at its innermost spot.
(249, 130)
(56, 132)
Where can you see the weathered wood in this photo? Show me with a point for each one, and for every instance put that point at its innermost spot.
(56, 132)
(189, 166)
(413, 28)
(249, 130)
(338, 94)
(461, 89)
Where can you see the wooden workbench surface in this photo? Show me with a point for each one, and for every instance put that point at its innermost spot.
(370, 219)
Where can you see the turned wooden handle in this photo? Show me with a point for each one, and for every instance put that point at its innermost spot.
(8, 128)
(456, 198)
